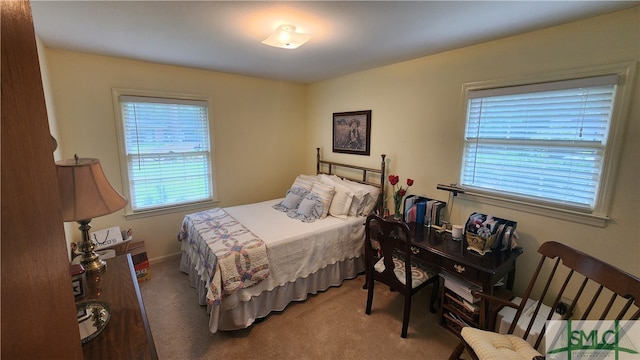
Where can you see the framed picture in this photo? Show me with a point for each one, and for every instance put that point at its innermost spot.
(352, 132)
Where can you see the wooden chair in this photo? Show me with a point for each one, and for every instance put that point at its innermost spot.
(593, 289)
(389, 260)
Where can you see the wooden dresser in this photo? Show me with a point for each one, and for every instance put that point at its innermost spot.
(127, 334)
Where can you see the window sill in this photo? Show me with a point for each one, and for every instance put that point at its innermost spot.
(130, 215)
(548, 211)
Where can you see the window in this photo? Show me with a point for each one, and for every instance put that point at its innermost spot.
(166, 150)
(546, 144)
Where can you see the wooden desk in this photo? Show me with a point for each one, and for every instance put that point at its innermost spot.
(127, 334)
(452, 256)
(444, 253)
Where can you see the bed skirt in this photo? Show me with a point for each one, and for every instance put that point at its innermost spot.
(235, 314)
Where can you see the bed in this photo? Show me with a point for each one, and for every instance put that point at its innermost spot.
(249, 260)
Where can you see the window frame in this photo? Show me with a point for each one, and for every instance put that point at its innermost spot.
(124, 170)
(619, 117)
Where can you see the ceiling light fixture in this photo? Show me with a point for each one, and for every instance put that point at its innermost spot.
(286, 37)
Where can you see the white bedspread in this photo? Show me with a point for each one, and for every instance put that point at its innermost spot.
(295, 249)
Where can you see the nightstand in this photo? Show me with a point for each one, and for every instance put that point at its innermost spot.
(127, 334)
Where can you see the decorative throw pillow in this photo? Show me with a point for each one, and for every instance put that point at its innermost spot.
(342, 197)
(359, 194)
(309, 209)
(304, 181)
(308, 204)
(292, 199)
(325, 193)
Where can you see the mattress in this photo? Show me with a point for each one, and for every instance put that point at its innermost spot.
(304, 258)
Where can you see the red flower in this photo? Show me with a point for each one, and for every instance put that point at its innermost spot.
(398, 193)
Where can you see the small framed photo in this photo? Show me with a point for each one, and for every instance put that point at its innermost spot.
(78, 280)
(352, 132)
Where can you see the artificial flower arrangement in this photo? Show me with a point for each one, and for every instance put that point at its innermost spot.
(398, 193)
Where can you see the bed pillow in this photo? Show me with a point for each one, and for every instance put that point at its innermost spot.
(304, 181)
(292, 200)
(325, 193)
(371, 197)
(342, 199)
(371, 200)
(359, 195)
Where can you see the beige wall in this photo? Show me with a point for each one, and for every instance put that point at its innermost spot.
(262, 139)
(258, 130)
(417, 121)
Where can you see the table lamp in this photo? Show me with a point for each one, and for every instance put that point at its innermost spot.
(85, 193)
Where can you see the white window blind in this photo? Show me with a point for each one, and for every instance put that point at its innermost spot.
(542, 142)
(167, 149)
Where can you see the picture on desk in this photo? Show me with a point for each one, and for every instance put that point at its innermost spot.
(422, 210)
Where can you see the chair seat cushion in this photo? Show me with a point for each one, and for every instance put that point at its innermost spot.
(491, 345)
(419, 272)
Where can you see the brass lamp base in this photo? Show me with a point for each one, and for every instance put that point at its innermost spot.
(89, 260)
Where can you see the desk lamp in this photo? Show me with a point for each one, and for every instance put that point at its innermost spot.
(453, 190)
(85, 193)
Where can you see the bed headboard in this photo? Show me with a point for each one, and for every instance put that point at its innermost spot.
(330, 167)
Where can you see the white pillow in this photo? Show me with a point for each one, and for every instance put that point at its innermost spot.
(304, 181)
(359, 196)
(325, 192)
(342, 198)
(371, 197)
(357, 202)
(371, 201)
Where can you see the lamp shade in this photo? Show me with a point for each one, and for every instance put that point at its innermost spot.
(85, 192)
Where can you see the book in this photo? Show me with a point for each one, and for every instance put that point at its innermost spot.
(413, 209)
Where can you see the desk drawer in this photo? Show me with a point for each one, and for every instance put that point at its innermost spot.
(426, 255)
(465, 271)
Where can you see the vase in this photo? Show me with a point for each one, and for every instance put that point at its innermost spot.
(397, 202)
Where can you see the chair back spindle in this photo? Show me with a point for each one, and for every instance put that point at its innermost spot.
(587, 289)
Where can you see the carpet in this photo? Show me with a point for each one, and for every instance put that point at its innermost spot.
(329, 325)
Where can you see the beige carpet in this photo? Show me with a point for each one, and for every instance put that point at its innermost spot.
(329, 325)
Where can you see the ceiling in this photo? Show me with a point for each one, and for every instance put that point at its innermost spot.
(347, 36)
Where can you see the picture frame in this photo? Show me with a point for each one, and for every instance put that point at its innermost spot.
(352, 132)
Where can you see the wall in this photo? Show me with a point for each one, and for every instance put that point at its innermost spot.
(256, 125)
(417, 121)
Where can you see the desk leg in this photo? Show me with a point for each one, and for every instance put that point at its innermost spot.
(511, 278)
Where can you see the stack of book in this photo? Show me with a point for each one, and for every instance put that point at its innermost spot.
(422, 210)
(459, 296)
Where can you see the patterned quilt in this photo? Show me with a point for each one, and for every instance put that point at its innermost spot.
(231, 255)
